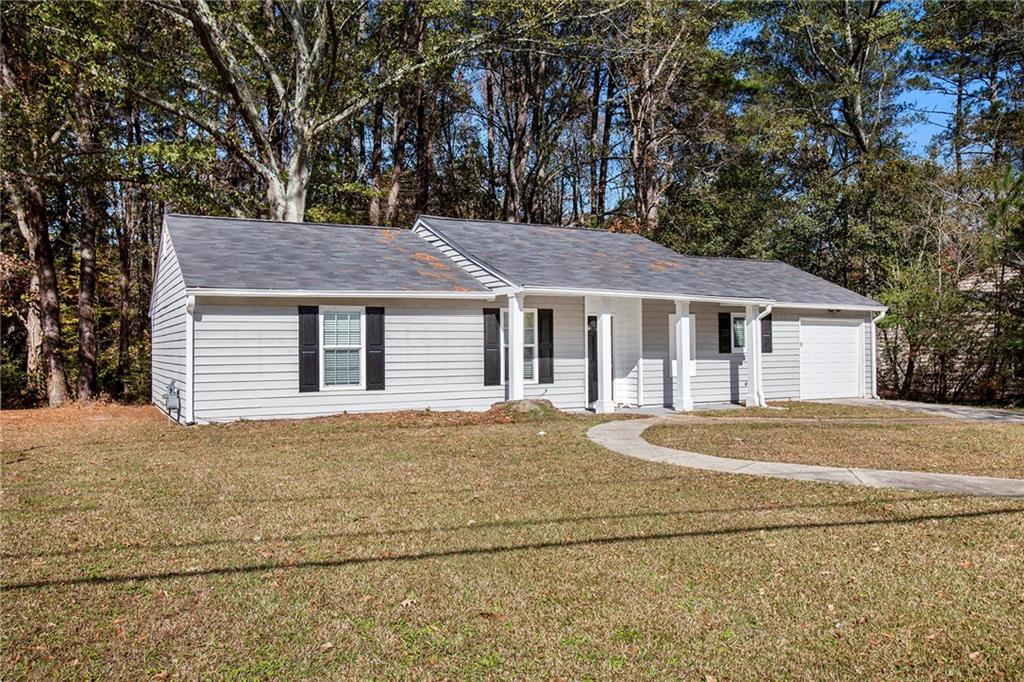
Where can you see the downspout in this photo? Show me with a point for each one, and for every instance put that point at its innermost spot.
(759, 387)
(874, 356)
(190, 309)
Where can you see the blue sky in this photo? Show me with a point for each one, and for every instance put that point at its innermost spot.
(933, 109)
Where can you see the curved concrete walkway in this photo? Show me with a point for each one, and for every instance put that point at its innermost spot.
(624, 437)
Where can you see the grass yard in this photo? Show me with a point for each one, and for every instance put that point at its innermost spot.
(811, 410)
(891, 440)
(475, 546)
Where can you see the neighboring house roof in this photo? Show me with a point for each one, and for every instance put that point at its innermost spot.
(546, 256)
(231, 253)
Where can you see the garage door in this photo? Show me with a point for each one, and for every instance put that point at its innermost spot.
(830, 358)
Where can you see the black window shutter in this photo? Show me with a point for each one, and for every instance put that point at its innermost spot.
(545, 346)
(374, 349)
(309, 348)
(766, 334)
(724, 333)
(492, 347)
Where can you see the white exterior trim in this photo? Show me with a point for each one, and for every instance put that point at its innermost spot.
(164, 234)
(831, 306)
(682, 338)
(421, 225)
(605, 381)
(612, 293)
(507, 347)
(311, 294)
(515, 346)
(760, 358)
(752, 350)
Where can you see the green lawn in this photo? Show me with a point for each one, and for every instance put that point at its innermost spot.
(465, 546)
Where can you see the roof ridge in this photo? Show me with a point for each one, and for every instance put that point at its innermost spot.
(740, 258)
(505, 222)
(282, 222)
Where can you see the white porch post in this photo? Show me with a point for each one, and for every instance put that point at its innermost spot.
(605, 400)
(515, 346)
(752, 334)
(682, 393)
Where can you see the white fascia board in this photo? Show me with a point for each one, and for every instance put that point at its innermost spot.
(468, 256)
(307, 293)
(159, 254)
(555, 291)
(832, 306)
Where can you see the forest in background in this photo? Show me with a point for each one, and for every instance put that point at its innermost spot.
(761, 130)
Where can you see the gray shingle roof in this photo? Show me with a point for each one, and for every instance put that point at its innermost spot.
(558, 257)
(229, 253)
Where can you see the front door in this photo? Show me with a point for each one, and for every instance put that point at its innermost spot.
(591, 358)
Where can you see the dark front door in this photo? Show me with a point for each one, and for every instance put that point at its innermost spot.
(591, 358)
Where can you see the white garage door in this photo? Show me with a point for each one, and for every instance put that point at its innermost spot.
(830, 358)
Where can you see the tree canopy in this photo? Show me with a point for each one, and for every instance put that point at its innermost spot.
(764, 130)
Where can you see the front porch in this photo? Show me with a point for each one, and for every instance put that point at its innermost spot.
(620, 351)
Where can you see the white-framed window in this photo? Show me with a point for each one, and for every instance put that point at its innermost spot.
(739, 332)
(672, 343)
(529, 345)
(342, 347)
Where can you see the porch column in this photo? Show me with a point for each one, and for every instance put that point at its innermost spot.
(515, 346)
(752, 336)
(605, 399)
(682, 393)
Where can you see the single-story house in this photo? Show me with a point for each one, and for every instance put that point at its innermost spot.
(255, 319)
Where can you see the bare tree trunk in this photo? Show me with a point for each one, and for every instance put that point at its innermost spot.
(398, 162)
(33, 327)
(519, 145)
(124, 311)
(908, 375)
(30, 207)
(595, 115)
(93, 212)
(424, 147)
(375, 160)
(492, 183)
(606, 133)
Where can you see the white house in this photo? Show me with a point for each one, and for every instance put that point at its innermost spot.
(255, 319)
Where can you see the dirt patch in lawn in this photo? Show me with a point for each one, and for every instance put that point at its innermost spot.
(946, 446)
(452, 546)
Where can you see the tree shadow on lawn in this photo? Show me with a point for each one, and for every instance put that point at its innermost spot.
(360, 494)
(509, 523)
(501, 549)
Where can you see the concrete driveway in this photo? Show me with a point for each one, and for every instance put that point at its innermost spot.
(984, 414)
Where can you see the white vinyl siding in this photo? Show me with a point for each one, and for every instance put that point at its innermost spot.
(656, 352)
(722, 377)
(780, 369)
(168, 331)
(627, 338)
(246, 359)
(569, 362)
